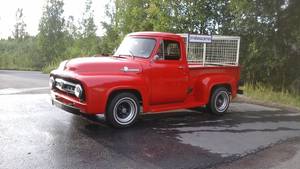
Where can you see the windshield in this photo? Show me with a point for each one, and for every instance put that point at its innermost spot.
(138, 47)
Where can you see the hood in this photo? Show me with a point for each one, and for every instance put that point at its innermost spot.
(101, 65)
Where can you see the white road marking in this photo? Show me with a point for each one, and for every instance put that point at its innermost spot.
(16, 91)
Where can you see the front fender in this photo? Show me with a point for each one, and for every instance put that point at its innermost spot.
(99, 89)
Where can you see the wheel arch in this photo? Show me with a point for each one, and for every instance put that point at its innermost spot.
(216, 86)
(213, 106)
(225, 85)
(112, 93)
(209, 84)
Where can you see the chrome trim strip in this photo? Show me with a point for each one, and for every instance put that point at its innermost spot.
(126, 69)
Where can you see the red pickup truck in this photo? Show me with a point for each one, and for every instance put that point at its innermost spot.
(150, 73)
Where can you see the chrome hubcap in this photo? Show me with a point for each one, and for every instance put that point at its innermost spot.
(222, 101)
(125, 111)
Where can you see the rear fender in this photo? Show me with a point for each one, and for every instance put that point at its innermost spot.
(206, 85)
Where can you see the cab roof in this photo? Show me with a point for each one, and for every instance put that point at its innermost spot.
(155, 34)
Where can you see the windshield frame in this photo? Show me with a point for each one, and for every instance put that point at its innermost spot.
(139, 37)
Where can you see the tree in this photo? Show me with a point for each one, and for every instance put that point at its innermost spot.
(89, 27)
(88, 42)
(19, 32)
(202, 17)
(71, 28)
(178, 16)
(111, 38)
(270, 36)
(289, 43)
(51, 35)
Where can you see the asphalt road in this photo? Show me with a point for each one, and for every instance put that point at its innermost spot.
(34, 134)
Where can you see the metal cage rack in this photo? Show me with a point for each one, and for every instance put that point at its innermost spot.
(212, 50)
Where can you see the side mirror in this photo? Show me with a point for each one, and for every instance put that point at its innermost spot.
(156, 57)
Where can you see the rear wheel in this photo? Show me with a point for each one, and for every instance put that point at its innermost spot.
(123, 110)
(219, 101)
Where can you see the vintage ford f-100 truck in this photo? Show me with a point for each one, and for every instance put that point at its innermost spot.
(151, 72)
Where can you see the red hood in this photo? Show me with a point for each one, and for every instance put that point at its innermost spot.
(100, 65)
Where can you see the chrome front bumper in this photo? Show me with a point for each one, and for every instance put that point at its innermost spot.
(66, 107)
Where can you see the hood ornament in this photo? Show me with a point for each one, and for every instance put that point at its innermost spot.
(126, 69)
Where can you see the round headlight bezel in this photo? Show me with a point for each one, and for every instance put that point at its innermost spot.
(51, 82)
(78, 91)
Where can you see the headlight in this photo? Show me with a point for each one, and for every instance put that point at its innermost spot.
(51, 82)
(78, 91)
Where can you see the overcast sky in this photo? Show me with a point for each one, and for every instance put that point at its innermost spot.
(33, 9)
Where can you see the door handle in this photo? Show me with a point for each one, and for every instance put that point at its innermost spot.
(180, 67)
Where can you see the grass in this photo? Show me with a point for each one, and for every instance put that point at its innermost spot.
(50, 67)
(266, 93)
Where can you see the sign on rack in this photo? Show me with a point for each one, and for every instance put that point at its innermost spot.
(200, 38)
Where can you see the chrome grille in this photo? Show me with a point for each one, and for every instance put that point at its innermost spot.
(65, 86)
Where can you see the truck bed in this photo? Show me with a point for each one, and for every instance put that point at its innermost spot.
(200, 71)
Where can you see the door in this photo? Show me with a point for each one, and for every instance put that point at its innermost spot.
(169, 74)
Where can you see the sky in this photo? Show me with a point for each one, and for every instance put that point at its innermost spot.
(33, 9)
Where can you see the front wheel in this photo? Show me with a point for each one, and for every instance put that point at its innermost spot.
(219, 101)
(123, 110)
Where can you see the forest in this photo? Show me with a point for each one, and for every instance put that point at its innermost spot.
(269, 31)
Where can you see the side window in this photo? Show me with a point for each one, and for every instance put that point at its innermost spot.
(169, 50)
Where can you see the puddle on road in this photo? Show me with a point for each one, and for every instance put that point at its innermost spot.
(239, 140)
(252, 127)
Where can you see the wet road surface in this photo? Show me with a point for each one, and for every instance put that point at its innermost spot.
(34, 134)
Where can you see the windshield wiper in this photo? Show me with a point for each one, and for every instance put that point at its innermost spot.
(131, 54)
(119, 56)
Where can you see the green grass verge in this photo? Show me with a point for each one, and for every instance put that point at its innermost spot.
(268, 94)
(50, 67)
